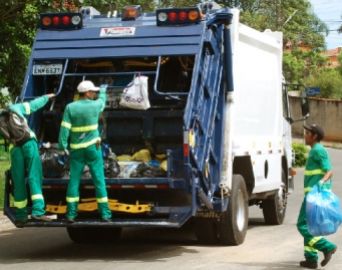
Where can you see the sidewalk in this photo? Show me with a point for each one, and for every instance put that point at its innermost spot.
(5, 223)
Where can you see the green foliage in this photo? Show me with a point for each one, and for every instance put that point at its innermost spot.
(4, 165)
(18, 20)
(329, 81)
(339, 58)
(301, 152)
(300, 26)
(5, 97)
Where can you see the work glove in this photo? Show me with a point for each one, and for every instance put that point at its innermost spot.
(104, 86)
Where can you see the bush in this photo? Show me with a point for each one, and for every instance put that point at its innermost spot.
(329, 81)
(300, 151)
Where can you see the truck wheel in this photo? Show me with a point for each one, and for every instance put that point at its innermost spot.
(232, 227)
(274, 208)
(206, 231)
(91, 235)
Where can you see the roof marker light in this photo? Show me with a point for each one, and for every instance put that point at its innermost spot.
(66, 20)
(162, 16)
(55, 20)
(75, 20)
(183, 15)
(46, 21)
(172, 16)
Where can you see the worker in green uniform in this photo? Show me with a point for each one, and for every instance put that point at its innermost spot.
(25, 162)
(80, 123)
(317, 171)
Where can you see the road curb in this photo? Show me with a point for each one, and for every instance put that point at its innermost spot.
(5, 223)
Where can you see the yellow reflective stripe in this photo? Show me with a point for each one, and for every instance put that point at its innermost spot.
(310, 249)
(27, 107)
(84, 128)
(20, 204)
(102, 200)
(37, 197)
(72, 199)
(306, 190)
(84, 145)
(66, 124)
(314, 240)
(313, 172)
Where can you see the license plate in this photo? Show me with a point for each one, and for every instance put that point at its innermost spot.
(49, 69)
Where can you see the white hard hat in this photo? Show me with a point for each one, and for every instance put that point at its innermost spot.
(86, 86)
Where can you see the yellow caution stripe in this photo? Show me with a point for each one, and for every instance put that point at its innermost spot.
(89, 205)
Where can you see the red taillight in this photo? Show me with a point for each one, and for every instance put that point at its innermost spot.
(66, 20)
(61, 21)
(183, 16)
(186, 150)
(172, 16)
(178, 16)
(55, 20)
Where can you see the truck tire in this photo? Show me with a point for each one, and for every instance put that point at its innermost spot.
(206, 231)
(274, 208)
(233, 224)
(93, 235)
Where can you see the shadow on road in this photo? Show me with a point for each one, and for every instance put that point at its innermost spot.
(23, 245)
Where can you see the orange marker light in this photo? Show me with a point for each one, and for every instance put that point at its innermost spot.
(46, 21)
(193, 15)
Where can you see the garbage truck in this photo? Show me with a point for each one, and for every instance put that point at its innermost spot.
(215, 139)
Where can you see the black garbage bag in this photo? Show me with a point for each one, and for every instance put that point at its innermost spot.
(54, 165)
(145, 170)
(112, 167)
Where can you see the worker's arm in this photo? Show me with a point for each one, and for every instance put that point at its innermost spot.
(26, 108)
(327, 176)
(64, 130)
(102, 97)
(322, 157)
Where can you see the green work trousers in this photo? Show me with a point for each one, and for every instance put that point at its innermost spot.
(312, 244)
(92, 157)
(26, 164)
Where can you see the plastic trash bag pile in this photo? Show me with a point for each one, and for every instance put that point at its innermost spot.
(323, 211)
(140, 164)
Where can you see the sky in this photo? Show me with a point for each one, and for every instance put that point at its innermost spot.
(330, 12)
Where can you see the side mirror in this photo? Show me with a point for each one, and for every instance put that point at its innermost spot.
(305, 106)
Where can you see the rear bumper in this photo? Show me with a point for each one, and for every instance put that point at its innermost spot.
(177, 216)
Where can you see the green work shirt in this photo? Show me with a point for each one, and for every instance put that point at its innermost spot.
(26, 108)
(80, 122)
(317, 164)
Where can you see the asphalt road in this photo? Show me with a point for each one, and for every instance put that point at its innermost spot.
(265, 247)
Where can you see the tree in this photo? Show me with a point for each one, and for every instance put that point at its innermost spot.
(329, 81)
(300, 26)
(18, 20)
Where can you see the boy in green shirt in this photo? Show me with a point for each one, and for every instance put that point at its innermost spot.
(317, 171)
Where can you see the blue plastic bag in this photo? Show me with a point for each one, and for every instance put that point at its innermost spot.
(323, 211)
